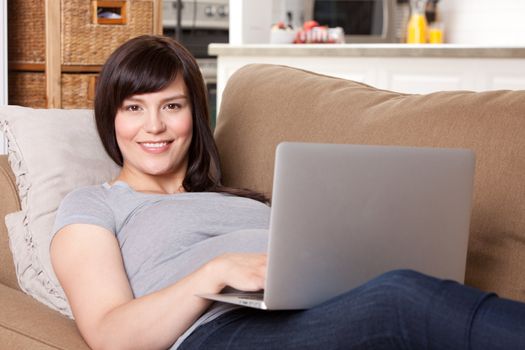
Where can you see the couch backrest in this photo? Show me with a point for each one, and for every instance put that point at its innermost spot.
(263, 105)
(8, 203)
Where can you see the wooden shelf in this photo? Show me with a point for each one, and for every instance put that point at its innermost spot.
(27, 67)
(81, 69)
(64, 77)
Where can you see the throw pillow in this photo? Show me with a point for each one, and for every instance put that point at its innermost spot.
(51, 152)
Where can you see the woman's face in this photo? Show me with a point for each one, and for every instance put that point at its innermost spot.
(154, 131)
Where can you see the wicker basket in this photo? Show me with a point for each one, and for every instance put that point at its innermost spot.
(26, 28)
(27, 89)
(88, 43)
(78, 90)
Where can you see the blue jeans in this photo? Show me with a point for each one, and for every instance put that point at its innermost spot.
(397, 310)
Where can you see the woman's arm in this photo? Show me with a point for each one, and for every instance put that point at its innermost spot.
(88, 263)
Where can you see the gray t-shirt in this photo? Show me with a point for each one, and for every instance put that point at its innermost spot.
(164, 237)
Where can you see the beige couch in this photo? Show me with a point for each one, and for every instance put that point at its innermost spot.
(263, 105)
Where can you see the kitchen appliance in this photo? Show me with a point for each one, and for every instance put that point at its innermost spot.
(201, 22)
(363, 21)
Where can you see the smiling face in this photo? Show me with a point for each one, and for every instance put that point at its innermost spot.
(154, 132)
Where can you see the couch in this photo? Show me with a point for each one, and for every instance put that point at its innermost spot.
(264, 104)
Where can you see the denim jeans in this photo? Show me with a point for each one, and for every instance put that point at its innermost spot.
(397, 310)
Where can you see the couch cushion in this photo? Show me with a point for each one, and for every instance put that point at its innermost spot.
(9, 204)
(263, 105)
(27, 324)
(50, 152)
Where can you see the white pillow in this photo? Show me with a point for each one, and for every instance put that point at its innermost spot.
(51, 152)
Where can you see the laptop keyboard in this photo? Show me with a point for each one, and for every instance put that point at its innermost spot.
(248, 295)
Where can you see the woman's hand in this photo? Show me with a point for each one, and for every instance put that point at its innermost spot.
(242, 271)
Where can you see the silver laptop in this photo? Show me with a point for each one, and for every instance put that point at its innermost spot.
(343, 214)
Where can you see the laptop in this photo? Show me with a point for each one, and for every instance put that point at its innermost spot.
(344, 214)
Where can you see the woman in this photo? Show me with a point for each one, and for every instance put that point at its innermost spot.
(132, 254)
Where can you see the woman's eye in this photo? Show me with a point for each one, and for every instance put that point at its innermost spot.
(132, 108)
(173, 106)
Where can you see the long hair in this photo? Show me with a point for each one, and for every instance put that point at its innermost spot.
(148, 64)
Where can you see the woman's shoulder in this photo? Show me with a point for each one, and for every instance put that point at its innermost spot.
(101, 192)
(87, 205)
(86, 194)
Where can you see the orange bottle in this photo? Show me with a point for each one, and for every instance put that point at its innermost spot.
(417, 27)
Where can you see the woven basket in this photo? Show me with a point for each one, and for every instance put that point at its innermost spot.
(26, 31)
(78, 90)
(27, 89)
(86, 43)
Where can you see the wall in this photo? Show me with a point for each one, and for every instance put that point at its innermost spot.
(3, 64)
(250, 22)
(484, 22)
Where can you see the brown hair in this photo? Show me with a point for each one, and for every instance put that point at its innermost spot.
(149, 64)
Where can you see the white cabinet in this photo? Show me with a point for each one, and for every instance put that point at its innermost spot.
(423, 75)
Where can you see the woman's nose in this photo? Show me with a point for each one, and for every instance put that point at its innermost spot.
(154, 123)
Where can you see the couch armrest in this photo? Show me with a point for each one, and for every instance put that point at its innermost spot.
(9, 203)
(25, 321)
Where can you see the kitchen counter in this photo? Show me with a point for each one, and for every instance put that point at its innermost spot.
(414, 68)
(369, 50)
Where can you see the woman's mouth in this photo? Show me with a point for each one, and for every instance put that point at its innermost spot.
(155, 147)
